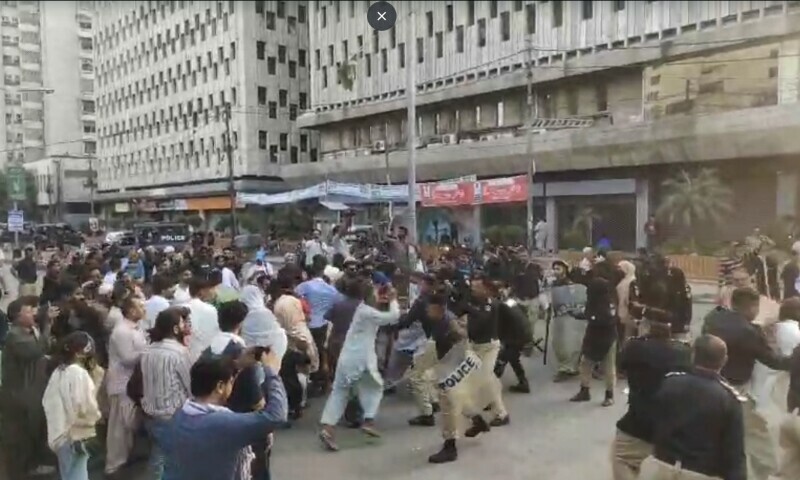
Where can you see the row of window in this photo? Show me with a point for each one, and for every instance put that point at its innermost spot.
(282, 58)
(113, 35)
(169, 81)
(270, 18)
(146, 52)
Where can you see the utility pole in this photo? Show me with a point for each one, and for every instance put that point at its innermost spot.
(388, 183)
(531, 163)
(411, 124)
(92, 186)
(231, 186)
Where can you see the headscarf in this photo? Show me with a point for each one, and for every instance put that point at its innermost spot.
(260, 327)
(624, 287)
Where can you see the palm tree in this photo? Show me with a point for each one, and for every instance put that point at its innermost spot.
(690, 200)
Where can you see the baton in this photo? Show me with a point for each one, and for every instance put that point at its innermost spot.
(548, 316)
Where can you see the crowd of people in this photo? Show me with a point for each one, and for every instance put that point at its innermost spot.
(212, 354)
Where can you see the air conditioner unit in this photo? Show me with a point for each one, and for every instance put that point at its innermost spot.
(450, 139)
(379, 146)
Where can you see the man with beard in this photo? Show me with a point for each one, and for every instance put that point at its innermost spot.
(26, 273)
(646, 360)
(661, 293)
(51, 283)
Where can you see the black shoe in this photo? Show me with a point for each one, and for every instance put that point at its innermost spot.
(448, 453)
(422, 421)
(436, 407)
(479, 426)
(582, 396)
(609, 400)
(501, 421)
(521, 387)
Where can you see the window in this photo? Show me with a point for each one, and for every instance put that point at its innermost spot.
(284, 141)
(460, 39)
(338, 12)
(401, 55)
(262, 140)
(493, 9)
(262, 95)
(301, 13)
(392, 38)
(292, 69)
(450, 21)
(345, 50)
(293, 154)
(558, 13)
(303, 142)
(324, 77)
(505, 26)
(439, 49)
(301, 57)
(530, 18)
(482, 32)
(281, 54)
(368, 64)
(303, 100)
(587, 11)
(323, 18)
(429, 22)
(273, 153)
(270, 20)
(619, 5)
(260, 50)
(330, 55)
(273, 110)
(518, 5)
(233, 50)
(259, 7)
(282, 98)
(271, 65)
(420, 51)
(375, 41)
(471, 12)
(281, 9)
(384, 61)
(317, 58)
(601, 93)
(293, 112)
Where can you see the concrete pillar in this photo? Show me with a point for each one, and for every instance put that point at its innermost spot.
(488, 114)
(642, 209)
(477, 218)
(447, 121)
(551, 217)
(788, 71)
(428, 124)
(786, 194)
(514, 110)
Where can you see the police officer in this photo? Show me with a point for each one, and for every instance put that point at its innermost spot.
(747, 343)
(482, 312)
(790, 427)
(514, 332)
(645, 360)
(698, 428)
(662, 294)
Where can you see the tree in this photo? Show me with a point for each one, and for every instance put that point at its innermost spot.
(690, 200)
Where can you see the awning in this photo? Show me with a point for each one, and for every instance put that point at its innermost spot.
(335, 206)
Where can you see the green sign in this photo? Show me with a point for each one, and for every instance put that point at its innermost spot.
(16, 183)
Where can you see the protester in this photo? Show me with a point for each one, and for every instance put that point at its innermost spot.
(162, 292)
(27, 274)
(205, 324)
(70, 407)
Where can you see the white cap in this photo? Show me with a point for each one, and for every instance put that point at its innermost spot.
(169, 249)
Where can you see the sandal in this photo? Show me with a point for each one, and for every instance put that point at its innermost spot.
(328, 441)
(370, 431)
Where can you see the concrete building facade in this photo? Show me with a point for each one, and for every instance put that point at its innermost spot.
(626, 94)
(169, 72)
(47, 79)
(63, 188)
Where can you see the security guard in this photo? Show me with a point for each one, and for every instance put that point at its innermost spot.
(747, 343)
(483, 387)
(698, 428)
(645, 360)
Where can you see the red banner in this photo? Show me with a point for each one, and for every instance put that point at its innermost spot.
(502, 190)
(447, 194)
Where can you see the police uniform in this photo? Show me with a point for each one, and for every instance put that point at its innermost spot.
(698, 431)
(666, 297)
(473, 384)
(747, 343)
(646, 360)
(514, 331)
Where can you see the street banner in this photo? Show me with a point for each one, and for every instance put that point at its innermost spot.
(16, 221)
(447, 194)
(502, 190)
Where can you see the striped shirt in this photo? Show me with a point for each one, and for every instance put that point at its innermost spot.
(726, 268)
(165, 378)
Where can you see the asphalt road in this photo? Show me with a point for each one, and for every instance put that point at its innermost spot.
(548, 438)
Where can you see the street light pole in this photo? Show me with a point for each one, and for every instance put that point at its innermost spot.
(531, 164)
(411, 123)
(231, 185)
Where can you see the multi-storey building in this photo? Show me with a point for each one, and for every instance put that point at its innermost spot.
(47, 79)
(626, 94)
(167, 75)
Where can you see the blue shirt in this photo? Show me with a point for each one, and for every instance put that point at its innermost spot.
(320, 297)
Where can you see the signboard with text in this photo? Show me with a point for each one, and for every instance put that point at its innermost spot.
(447, 194)
(502, 190)
(16, 221)
(15, 176)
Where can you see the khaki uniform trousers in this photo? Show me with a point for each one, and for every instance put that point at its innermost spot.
(421, 379)
(27, 290)
(655, 469)
(790, 444)
(481, 388)
(608, 366)
(627, 455)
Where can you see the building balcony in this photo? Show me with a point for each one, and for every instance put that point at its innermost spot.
(761, 132)
(30, 47)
